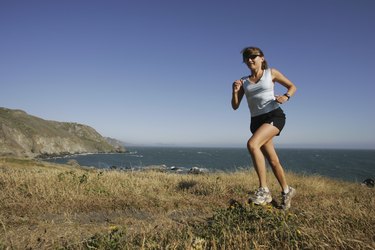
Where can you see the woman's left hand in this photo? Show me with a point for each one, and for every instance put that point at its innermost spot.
(281, 99)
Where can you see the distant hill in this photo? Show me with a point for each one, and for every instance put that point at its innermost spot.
(22, 134)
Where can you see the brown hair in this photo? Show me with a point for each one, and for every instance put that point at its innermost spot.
(254, 51)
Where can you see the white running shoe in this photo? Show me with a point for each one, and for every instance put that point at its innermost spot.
(287, 198)
(261, 197)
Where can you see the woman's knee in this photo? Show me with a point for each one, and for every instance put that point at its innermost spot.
(252, 145)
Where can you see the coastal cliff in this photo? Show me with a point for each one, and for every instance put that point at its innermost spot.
(24, 135)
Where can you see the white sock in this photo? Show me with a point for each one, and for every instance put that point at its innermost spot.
(266, 189)
(286, 190)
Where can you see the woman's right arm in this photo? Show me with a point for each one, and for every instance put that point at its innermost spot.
(237, 94)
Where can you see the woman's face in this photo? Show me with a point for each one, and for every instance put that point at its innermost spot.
(254, 61)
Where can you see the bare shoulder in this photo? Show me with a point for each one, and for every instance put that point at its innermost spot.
(279, 77)
(276, 74)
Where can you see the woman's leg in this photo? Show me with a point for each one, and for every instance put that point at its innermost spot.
(287, 192)
(261, 136)
(268, 150)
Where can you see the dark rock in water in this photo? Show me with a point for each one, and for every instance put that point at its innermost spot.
(368, 182)
(177, 169)
(196, 170)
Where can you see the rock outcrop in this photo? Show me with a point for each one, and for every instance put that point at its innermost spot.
(29, 136)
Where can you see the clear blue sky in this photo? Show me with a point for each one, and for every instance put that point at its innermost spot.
(160, 72)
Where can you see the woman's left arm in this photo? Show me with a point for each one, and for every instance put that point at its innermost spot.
(277, 76)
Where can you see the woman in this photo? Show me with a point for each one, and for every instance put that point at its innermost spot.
(267, 120)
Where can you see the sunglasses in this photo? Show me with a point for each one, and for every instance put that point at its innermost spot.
(252, 57)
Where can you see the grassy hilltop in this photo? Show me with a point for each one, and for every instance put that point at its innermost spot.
(50, 206)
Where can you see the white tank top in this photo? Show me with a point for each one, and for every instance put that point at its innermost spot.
(260, 96)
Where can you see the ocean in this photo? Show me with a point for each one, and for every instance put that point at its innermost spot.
(349, 165)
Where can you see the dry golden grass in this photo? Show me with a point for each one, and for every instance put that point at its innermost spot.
(50, 206)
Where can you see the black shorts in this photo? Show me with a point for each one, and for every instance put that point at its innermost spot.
(275, 117)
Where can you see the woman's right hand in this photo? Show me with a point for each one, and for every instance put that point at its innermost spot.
(237, 94)
(237, 86)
